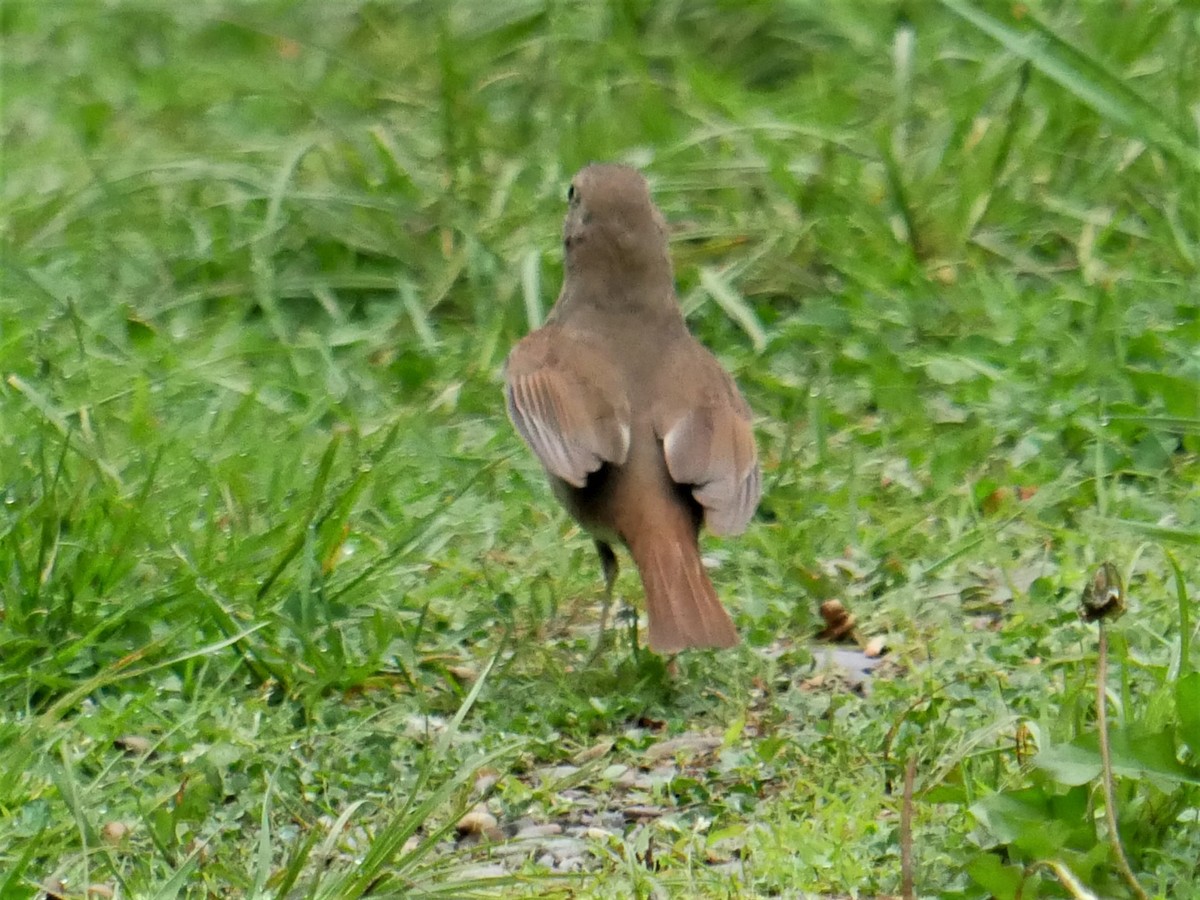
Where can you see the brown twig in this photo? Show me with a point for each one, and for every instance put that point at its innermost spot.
(906, 815)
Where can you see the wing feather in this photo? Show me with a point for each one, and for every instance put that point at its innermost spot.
(567, 401)
(708, 443)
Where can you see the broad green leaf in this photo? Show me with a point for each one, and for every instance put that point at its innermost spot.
(1134, 755)
(1000, 880)
(1187, 704)
(1069, 764)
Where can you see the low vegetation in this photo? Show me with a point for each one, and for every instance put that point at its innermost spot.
(286, 610)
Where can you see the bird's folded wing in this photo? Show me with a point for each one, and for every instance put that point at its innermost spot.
(708, 443)
(566, 400)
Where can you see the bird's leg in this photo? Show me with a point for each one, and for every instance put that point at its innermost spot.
(610, 567)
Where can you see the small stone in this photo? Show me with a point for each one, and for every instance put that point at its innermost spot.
(609, 819)
(511, 829)
(482, 872)
(512, 848)
(662, 774)
(532, 832)
(613, 772)
(563, 847)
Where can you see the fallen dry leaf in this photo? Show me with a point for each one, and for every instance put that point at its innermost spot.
(114, 832)
(689, 744)
(134, 744)
(642, 812)
(463, 674)
(597, 750)
(838, 622)
(478, 822)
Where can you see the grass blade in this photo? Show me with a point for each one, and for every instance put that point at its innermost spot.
(1084, 76)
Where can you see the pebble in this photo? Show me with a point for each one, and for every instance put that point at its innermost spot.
(608, 819)
(562, 847)
(532, 832)
(633, 779)
(482, 871)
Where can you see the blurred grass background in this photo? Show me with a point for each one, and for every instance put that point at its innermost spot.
(262, 263)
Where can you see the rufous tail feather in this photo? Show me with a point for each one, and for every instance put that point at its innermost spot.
(681, 602)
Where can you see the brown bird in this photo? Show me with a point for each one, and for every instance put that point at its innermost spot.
(642, 433)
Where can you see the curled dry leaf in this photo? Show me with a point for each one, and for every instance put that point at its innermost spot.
(633, 813)
(485, 780)
(827, 682)
(690, 744)
(1103, 596)
(478, 822)
(875, 647)
(946, 273)
(597, 750)
(134, 744)
(838, 622)
(463, 674)
(114, 832)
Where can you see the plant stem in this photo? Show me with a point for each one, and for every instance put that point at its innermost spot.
(906, 811)
(1110, 801)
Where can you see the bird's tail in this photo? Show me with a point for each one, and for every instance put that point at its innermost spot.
(681, 602)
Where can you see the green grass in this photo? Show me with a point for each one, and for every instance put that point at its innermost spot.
(262, 508)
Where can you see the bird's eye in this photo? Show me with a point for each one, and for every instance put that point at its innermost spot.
(571, 194)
